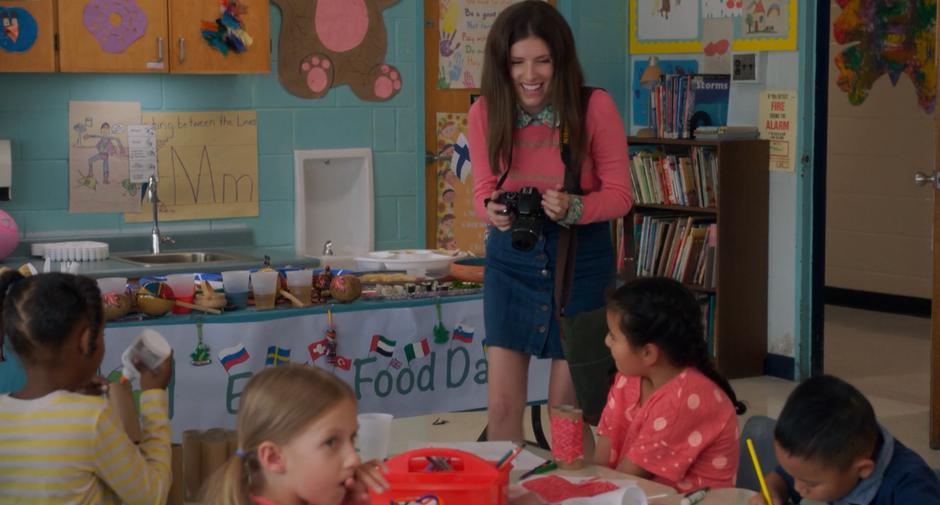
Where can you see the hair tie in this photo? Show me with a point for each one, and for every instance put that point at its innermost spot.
(240, 453)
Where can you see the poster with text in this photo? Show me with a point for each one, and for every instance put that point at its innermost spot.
(458, 226)
(464, 25)
(99, 166)
(778, 125)
(207, 165)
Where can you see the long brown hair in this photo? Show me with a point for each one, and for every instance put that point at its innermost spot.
(276, 405)
(531, 18)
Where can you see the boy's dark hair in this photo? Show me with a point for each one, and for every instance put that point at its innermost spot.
(827, 420)
(41, 311)
(661, 311)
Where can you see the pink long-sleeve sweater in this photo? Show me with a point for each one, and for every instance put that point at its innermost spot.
(536, 160)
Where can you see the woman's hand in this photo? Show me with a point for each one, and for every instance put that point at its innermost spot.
(496, 213)
(555, 202)
(368, 476)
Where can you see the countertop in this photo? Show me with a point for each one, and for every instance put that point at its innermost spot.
(237, 241)
(114, 267)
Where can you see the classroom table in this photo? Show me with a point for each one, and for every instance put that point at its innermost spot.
(728, 496)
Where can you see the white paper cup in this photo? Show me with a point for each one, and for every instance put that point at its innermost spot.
(112, 285)
(375, 430)
(264, 288)
(183, 285)
(297, 278)
(235, 281)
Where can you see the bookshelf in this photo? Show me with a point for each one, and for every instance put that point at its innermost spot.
(734, 217)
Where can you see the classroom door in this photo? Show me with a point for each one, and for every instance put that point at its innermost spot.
(921, 179)
(436, 100)
(450, 221)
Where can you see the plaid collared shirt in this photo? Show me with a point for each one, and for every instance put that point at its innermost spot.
(545, 117)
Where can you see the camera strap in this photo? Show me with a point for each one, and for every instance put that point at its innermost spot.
(567, 236)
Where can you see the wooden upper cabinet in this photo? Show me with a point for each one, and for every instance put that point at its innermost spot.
(27, 36)
(113, 36)
(190, 54)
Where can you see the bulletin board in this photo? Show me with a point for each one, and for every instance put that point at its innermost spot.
(671, 26)
(207, 164)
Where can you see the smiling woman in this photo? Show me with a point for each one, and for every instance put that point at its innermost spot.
(532, 89)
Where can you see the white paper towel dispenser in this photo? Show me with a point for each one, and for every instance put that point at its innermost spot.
(6, 170)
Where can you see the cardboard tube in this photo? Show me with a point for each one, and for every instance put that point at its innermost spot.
(567, 432)
(214, 452)
(177, 486)
(122, 401)
(192, 463)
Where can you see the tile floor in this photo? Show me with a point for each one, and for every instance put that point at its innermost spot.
(884, 355)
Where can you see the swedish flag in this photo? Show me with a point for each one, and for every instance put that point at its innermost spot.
(277, 356)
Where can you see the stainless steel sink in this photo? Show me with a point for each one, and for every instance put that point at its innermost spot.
(181, 258)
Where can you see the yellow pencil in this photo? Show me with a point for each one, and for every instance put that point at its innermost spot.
(760, 473)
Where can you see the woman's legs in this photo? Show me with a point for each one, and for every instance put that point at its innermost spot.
(507, 386)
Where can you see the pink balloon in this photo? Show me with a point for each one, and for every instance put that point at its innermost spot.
(9, 234)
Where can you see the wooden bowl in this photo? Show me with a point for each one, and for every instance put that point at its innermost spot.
(155, 299)
(468, 269)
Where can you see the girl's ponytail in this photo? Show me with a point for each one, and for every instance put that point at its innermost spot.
(7, 280)
(231, 483)
(662, 311)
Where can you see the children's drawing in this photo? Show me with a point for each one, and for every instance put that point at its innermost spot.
(721, 8)
(115, 38)
(325, 43)
(99, 165)
(464, 25)
(18, 29)
(107, 145)
(887, 37)
(765, 18)
(717, 35)
(667, 19)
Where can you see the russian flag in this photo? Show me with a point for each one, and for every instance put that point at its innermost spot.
(464, 333)
(231, 356)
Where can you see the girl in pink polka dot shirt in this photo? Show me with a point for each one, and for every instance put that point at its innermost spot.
(670, 416)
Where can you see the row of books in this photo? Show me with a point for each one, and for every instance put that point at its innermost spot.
(681, 102)
(668, 179)
(681, 247)
(706, 302)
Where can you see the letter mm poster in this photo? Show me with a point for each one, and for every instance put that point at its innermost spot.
(778, 125)
(396, 360)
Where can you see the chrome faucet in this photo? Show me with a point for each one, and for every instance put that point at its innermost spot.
(156, 238)
(328, 248)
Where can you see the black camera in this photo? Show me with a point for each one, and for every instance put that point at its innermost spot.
(525, 206)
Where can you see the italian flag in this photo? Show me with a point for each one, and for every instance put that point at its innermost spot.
(417, 350)
(382, 345)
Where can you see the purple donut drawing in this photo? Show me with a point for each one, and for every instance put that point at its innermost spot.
(115, 38)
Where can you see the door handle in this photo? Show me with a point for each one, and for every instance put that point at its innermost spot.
(921, 179)
(182, 51)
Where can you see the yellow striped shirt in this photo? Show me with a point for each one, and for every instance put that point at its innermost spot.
(68, 448)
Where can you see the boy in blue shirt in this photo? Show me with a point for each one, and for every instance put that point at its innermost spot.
(831, 449)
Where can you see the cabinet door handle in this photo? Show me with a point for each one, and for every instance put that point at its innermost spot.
(159, 49)
(182, 49)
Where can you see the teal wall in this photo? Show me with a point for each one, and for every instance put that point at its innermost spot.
(35, 117)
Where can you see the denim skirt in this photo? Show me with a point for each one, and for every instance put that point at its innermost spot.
(518, 287)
